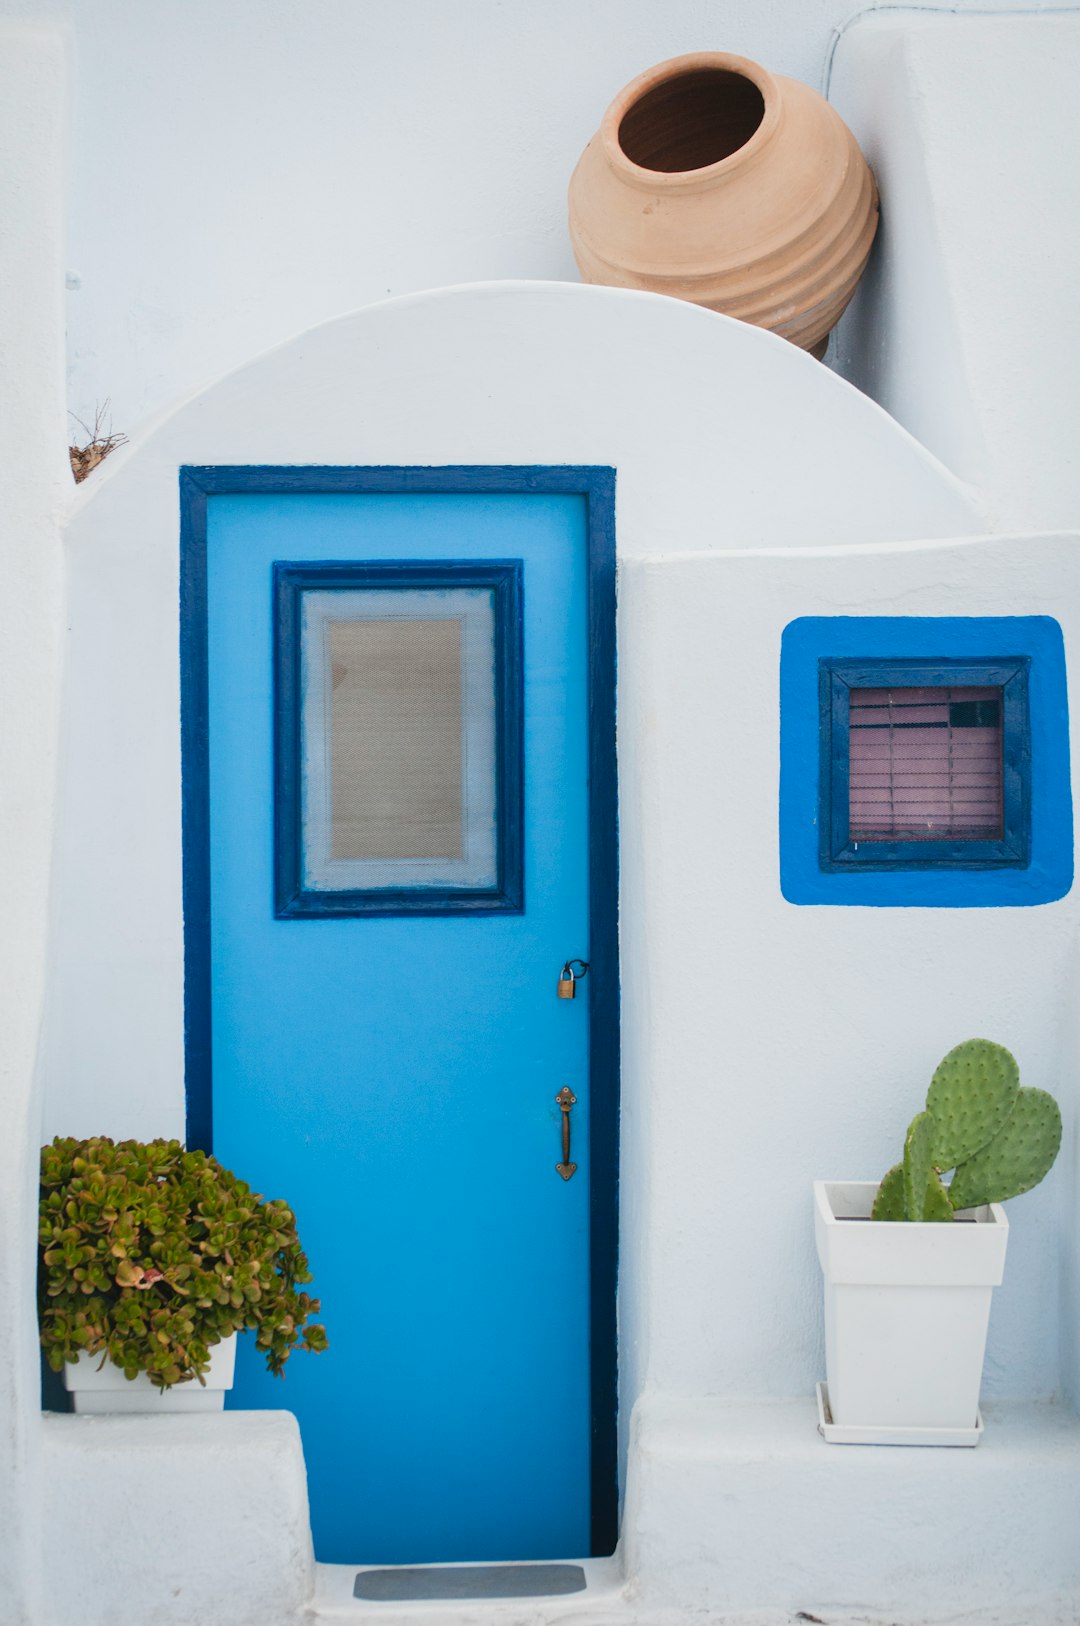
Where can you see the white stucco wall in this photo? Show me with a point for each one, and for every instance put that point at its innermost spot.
(230, 183)
(240, 172)
(762, 1044)
(968, 327)
(768, 1044)
(774, 1044)
(1069, 1186)
(724, 438)
(33, 481)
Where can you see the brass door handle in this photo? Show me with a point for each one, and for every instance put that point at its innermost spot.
(567, 1101)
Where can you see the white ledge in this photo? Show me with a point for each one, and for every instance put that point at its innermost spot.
(738, 1508)
(182, 1521)
(738, 1512)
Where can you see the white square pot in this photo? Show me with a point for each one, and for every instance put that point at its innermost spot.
(906, 1309)
(102, 1389)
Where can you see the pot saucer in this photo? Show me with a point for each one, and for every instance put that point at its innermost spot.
(889, 1434)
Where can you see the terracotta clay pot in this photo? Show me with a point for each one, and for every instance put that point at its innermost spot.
(715, 181)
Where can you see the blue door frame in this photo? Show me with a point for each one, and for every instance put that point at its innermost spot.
(596, 485)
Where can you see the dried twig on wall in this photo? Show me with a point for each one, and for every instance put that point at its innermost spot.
(101, 441)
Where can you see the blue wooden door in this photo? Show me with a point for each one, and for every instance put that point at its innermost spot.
(389, 1065)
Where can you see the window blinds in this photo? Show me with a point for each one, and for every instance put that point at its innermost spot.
(925, 764)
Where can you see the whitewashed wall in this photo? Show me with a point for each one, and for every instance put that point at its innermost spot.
(770, 1044)
(237, 173)
(762, 1046)
(34, 479)
(240, 170)
(725, 439)
(967, 327)
(783, 1043)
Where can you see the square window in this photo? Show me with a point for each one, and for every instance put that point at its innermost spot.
(924, 763)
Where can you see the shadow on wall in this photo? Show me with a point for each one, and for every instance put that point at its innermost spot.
(54, 1397)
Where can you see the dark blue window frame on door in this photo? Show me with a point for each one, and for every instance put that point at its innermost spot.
(836, 679)
(813, 869)
(292, 898)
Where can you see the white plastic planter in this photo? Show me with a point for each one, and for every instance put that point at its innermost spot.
(906, 1311)
(108, 1390)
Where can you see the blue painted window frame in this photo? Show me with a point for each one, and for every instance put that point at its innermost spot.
(806, 642)
(294, 901)
(837, 678)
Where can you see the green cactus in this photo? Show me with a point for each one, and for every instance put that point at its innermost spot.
(1017, 1158)
(918, 1163)
(971, 1094)
(1001, 1139)
(937, 1205)
(889, 1202)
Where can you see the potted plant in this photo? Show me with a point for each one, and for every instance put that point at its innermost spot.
(910, 1263)
(152, 1258)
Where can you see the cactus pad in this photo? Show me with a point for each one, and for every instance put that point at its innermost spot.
(889, 1202)
(937, 1205)
(1017, 1158)
(918, 1163)
(971, 1095)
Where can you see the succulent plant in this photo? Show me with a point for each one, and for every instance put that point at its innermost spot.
(1000, 1139)
(150, 1254)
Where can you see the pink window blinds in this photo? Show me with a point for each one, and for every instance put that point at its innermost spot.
(925, 764)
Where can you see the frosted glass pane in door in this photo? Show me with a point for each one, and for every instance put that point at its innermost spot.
(399, 770)
(396, 739)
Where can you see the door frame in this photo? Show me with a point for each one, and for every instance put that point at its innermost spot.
(596, 485)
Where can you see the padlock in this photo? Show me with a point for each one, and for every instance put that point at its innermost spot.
(565, 987)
